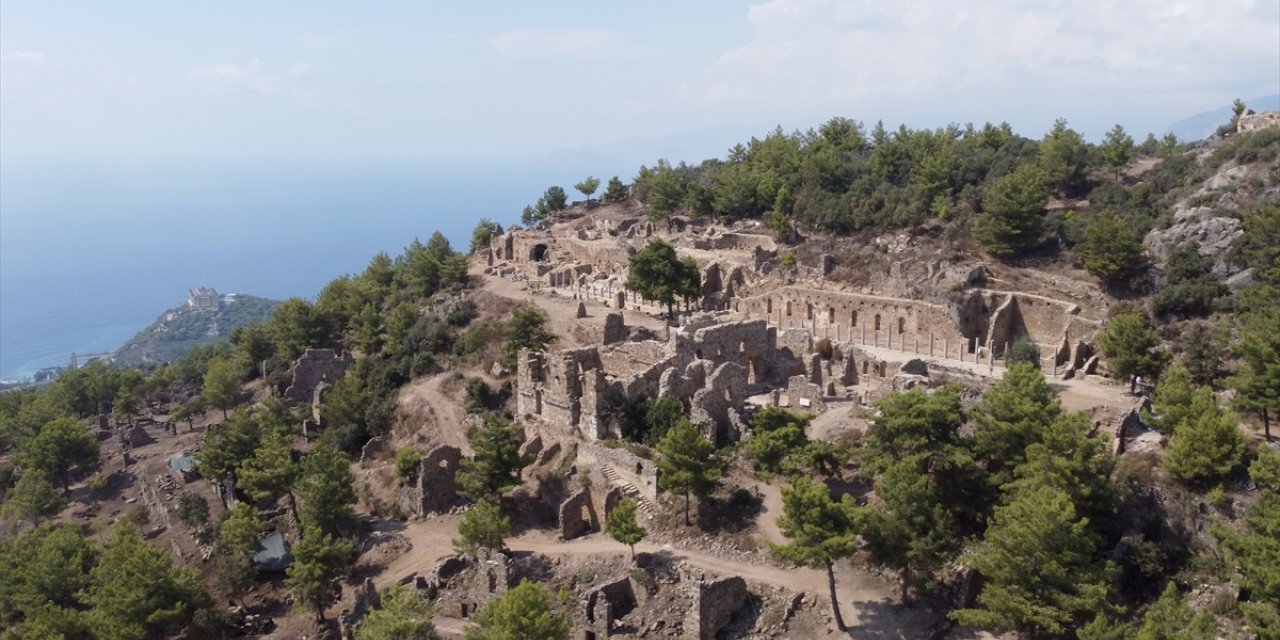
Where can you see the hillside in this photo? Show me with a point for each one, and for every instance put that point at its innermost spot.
(182, 328)
(835, 384)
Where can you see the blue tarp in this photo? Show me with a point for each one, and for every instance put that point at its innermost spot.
(181, 463)
(272, 554)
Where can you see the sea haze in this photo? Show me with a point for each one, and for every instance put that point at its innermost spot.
(90, 255)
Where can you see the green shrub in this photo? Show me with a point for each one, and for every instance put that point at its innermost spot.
(1023, 350)
(407, 462)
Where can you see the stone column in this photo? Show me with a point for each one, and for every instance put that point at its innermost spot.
(946, 348)
(864, 334)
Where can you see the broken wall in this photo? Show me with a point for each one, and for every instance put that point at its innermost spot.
(311, 369)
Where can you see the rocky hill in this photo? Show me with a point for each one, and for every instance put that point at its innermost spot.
(182, 328)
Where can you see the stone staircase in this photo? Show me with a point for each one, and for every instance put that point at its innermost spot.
(643, 504)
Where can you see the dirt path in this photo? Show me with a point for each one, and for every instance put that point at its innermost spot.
(852, 586)
(437, 414)
(562, 311)
(770, 511)
(433, 540)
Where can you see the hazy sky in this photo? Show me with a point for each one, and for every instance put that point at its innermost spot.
(451, 82)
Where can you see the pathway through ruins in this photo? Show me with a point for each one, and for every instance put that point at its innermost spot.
(433, 541)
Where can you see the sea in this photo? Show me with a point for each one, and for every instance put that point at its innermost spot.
(91, 253)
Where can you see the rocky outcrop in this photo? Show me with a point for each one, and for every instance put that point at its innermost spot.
(1211, 231)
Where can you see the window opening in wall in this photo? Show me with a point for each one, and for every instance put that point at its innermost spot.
(877, 319)
(853, 318)
(831, 315)
(902, 325)
(742, 347)
(639, 468)
(768, 305)
(808, 311)
(788, 307)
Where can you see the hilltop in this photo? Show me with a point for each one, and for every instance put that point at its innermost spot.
(180, 329)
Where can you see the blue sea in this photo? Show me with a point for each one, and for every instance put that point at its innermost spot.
(92, 253)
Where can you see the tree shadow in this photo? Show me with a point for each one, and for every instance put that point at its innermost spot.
(889, 619)
(734, 513)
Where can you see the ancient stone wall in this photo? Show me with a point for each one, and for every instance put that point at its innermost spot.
(577, 516)
(581, 388)
(712, 604)
(312, 368)
(715, 408)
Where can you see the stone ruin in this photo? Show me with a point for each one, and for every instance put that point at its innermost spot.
(709, 364)
(712, 604)
(313, 369)
(435, 489)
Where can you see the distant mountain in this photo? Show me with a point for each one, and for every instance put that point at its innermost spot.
(183, 328)
(1202, 125)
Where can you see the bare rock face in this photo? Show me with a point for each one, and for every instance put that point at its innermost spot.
(1211, 232)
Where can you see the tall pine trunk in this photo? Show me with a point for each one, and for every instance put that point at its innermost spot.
(1266, 424)
(835, 603)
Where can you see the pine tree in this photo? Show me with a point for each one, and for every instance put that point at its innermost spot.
(319, 561)
(525, 612)
(1067, 458)
(1257, 384)
(525, 329)
(1064, 157)
(1039, 561)
(1253, 549)
(481, 234)
(271, 472)
(221, 385)
(1169, 618)
(1113, 248)
(45, 570)
(193, 510)
(135, 590)
(1011, 416)
(615, 190)
(909, 532)
(482, 527)
(1117, 148)
(621, 525)
(588, 187)
(687, 463)
(1132, 348)
(822, 531)
(33, 498)
(326, 486)
(1207, 443)
(497, 463)
(61, 445)
(1013, 212)
(238, 537)
(914, 424)
(402, 614)
(658, 274)
(1171, 402)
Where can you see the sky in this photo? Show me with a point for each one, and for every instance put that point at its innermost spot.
(452, 82)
